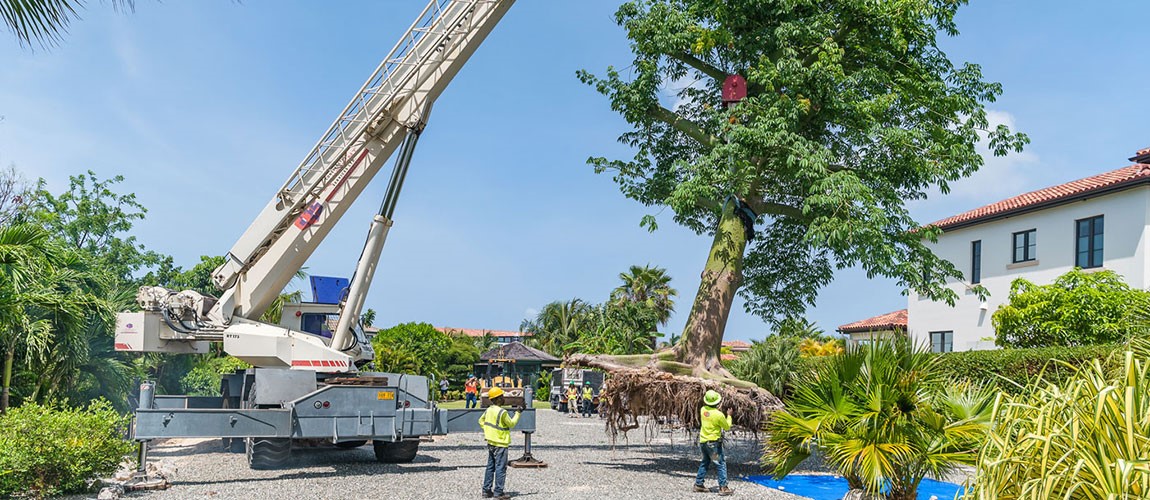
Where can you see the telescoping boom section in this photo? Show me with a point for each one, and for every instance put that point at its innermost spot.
(388, 111)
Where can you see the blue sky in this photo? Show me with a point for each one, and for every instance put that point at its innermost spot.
(205, 107)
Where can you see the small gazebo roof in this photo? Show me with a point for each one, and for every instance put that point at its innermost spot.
(516, 351)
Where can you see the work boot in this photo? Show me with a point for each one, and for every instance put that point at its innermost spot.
(725, 491)
(488, 494)
(700, 488)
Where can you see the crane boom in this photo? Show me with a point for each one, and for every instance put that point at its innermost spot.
(390, 109)
(350, 153)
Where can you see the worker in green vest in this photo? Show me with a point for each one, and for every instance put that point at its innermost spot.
(496, 423)
(712, 424)
(588, 396)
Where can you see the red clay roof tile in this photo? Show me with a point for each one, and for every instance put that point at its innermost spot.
(889, 321)
(1116, 179)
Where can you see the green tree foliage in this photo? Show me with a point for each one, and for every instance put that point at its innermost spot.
(1079, 308)
(852, 109)
(411, 348)
(48, 450)
(368, 317)
(543, 386)
(459, 360)
(93, 218)
(883, 418)
(1085, 437)
(204, 378)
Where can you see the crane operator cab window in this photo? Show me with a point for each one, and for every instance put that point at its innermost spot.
(318, 324)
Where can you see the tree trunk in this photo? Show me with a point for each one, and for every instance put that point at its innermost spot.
(703, 335)
(9, 355)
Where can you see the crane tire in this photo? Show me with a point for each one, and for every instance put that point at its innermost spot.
(268, 453)
(401, 452)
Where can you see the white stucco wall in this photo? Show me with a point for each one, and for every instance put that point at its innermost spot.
(1126, 216)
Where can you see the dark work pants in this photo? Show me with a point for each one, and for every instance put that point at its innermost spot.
(495, 476)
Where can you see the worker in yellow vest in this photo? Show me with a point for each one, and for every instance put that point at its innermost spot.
(496, 423)
(588, 396)
(572, 401)
(713, 423)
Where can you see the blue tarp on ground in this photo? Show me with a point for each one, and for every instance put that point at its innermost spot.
(824, 487)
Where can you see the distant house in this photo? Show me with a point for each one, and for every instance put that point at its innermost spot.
(737, 347)
(883, 325)
(501, 337)
(1098, 222)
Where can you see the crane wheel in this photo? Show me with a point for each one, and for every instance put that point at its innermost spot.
(401, 452)
(347, 445)
(268, 453)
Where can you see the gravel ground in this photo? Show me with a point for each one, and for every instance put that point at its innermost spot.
(582, 465)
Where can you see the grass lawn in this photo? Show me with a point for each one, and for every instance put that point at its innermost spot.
(459, 405)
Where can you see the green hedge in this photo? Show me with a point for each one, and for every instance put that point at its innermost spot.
(1020, 365)
(47, 451)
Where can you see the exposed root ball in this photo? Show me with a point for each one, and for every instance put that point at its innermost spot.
(634, 392)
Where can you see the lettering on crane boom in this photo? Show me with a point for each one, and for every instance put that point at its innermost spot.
(309, 215)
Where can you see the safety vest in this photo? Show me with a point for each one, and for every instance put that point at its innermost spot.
(497, 426)
(587, 394)
(572, 393)
(471, 388)
(713, 424)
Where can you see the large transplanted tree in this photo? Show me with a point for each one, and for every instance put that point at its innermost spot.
(851, 110)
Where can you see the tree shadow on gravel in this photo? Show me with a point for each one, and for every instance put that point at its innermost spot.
(352, 467)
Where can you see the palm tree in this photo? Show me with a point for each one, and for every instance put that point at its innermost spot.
(44, 21)
(559, 324)
(884, 417)
(650, 286)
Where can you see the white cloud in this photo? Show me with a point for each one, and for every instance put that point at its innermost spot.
(1000, 177)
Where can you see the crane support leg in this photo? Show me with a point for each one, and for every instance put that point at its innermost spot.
(352, 306)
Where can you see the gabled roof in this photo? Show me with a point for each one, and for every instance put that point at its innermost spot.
(883, 322)
(1114, 180)
(737, 345)
(519, 352)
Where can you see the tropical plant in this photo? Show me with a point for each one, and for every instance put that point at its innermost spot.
(204, 377)
(44, 21)
(648, 286)
(559, 324)
(812, 347)
(770, 364)
(368, 317)
(543, 386)
(1079, 308)
(798, 327)
(1087, 437)
(883, 418)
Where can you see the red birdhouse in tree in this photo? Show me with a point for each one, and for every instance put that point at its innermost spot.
(734, 89)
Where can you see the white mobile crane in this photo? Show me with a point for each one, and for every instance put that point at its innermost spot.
(306, 386)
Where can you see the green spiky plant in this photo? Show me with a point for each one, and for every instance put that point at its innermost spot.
(884, 417)
(1087, 438)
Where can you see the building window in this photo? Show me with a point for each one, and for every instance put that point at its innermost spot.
(1025, 244)
(976, 262)
(941, 341)
(1088, 242)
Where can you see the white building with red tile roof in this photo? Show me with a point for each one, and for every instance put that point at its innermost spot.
(883, 325)
(1099, 222)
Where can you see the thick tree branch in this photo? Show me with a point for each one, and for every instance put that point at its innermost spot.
(684, 125)
(699, 64)
(763, 207)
